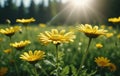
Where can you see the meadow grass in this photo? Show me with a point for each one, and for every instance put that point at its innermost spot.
(70, 54)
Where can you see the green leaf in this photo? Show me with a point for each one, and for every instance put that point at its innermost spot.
(65, 71)
(74, 70)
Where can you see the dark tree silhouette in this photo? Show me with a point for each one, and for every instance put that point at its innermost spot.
(21, 10)
(45, 14)
(32, 9)
(42, 12)
(9, 11)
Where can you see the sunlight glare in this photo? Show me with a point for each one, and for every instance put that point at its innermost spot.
(80, 2)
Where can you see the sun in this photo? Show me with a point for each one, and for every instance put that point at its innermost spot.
(80, 2)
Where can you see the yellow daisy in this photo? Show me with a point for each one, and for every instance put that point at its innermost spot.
(25, 21)
(56, 37)
(20, 45)
(10, 31)
(99, 45)
(118, 36)
(102, 26)
(110, 27)
(108, 35)
(32, 56)
(42, 25)
(114, 20)
(112, 67)
(91, 32)
(7, 51)
(1, 39)
(102, 61)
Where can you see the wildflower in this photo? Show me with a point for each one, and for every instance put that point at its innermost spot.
(32, 56)
(79, 48)
(102, 61)
(118, 36)
(112, 67)
(25, 21)
(99, 45)
(114, 20)
(110, 27)
(71, 29)
(1, 39)
(10, 31)
(91, 32)
(68, 49)
(3, 71)
(80, 43)
(8, 21)
(20, 45)
(56, 37)
(102, 26)
(108, 35)
(42, 25)
(7, 51)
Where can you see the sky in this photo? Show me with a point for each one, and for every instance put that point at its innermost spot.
(27, 2)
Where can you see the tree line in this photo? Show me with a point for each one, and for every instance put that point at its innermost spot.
(54, 13)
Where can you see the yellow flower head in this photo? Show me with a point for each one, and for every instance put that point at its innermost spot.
(99, 45)
(91, 32)
(114, 20)
(7, 51)
(10, 31)
(25, 21)
(1, 39)
(32, 56)
(110, 27)
(108, 35)
(3, 71)
(112, 67)
(102, 26)
(20, 45)
(56, 37)
(102, 62)
(118, 36)
(42, 25)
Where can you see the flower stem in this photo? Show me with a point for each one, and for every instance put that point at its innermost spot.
(57, 65)
(34, 70)
(16, 69)
(102, 73)
(44, 72)
(84, 56)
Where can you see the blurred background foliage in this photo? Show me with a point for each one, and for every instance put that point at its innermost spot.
(57, 12)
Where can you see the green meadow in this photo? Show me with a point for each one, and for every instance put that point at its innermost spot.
(69, 54)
